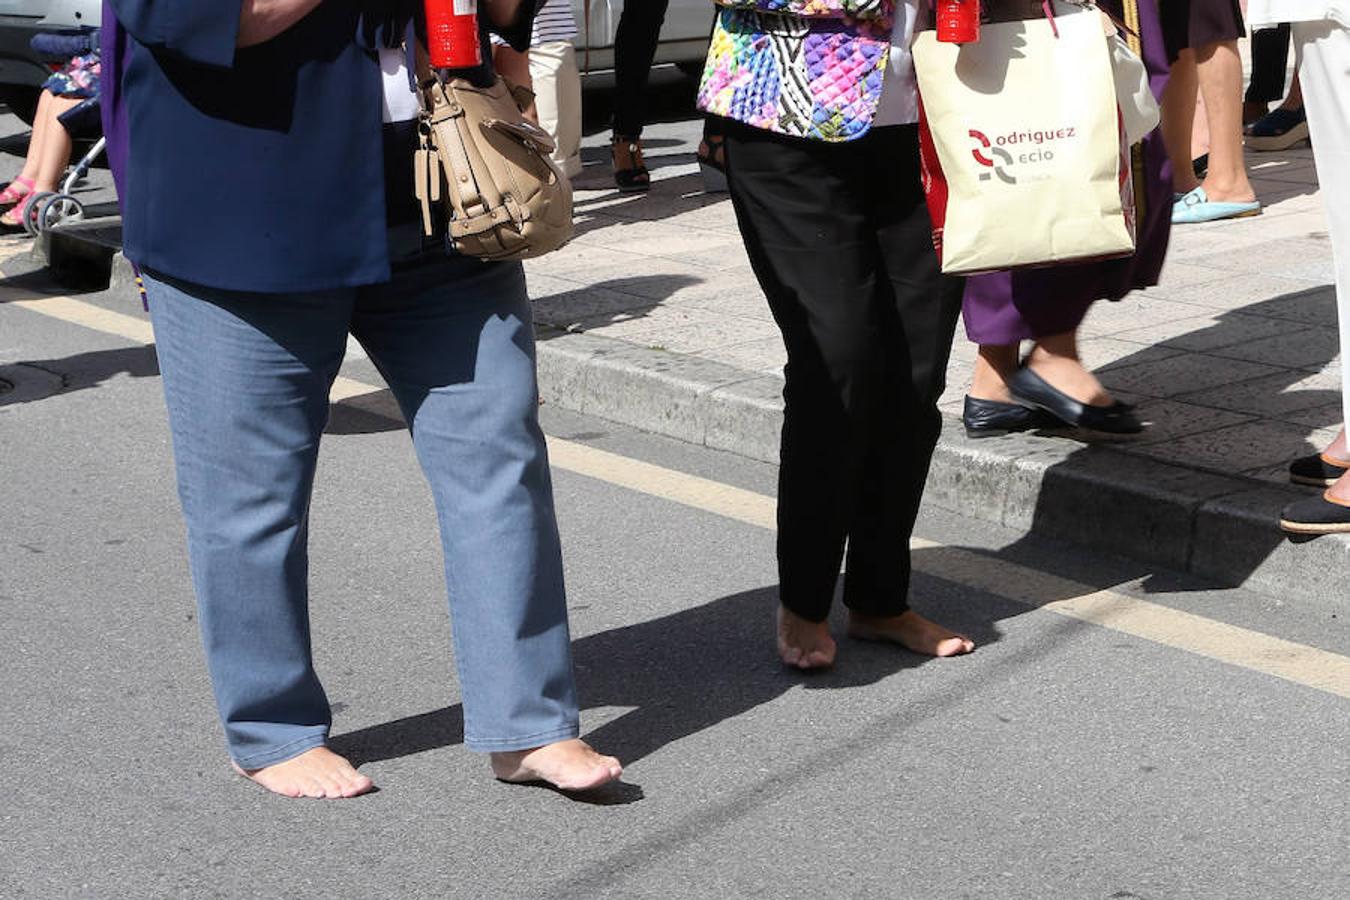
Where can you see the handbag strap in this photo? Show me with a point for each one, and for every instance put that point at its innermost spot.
(1132, 31)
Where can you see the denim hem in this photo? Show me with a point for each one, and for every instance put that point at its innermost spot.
(282, 753)
(525, 742)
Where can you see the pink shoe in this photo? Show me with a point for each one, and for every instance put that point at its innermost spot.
(9, 196)
(12, 221)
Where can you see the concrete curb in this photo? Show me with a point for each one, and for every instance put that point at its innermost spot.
(1218, 526)
(1221, 527)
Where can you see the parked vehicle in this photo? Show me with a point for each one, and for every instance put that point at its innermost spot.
(684, 36)
(684, 39)
(22, 71)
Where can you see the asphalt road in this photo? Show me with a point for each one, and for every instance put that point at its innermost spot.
(1121, 732)
(1170, 747)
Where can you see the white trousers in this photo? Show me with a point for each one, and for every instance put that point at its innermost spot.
(557, 98)
(1324, 48)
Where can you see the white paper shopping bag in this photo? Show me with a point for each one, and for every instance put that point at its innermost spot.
(1025, 161)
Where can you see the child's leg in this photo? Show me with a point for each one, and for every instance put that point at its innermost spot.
(42, 121)
(53, 155)
(48, 154)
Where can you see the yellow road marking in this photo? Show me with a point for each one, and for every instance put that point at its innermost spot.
(138, 329)
(1242, 647)
(1299, 663)
(667, 484)
(345, 388)
(78, 312)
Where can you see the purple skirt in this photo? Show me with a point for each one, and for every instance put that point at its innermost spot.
(1008, 307)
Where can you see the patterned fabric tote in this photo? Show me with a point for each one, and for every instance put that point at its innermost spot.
(803, 68)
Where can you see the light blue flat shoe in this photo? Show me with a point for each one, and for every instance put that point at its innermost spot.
(1197, 207)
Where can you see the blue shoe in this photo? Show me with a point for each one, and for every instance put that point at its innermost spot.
(1278, 129)
(1197, 207)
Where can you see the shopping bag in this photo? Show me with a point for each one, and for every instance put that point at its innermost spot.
(1025, 157)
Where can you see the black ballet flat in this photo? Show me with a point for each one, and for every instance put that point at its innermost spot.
(1316, 515)
(990, 418)
(1033, 390)
(1316, 470)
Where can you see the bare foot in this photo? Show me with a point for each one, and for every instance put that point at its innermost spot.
(1338, 451)
(803, 644)
(1231, 191)
(567, 765)
(318, 773)
(910, 630)
(1340, 490)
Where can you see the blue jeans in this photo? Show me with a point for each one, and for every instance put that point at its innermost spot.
(247, 377)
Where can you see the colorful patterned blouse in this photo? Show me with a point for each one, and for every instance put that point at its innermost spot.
(804, 68)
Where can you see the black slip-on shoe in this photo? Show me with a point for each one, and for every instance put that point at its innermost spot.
(1317, 470)
(1316, 515)
(1032, 389)
(991, 418)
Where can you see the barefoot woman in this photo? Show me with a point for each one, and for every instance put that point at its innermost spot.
(823, 164)
(272, 214)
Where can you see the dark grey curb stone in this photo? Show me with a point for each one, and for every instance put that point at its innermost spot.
(1221, 527)
(80, 255)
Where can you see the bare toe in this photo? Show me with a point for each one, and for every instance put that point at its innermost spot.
(317, 773)
(953, 647)
(912, 631)
(817, 659)
(803, 644)
(569, 765)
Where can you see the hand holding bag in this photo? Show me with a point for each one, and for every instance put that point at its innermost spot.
(1026, 157)
(488, 168)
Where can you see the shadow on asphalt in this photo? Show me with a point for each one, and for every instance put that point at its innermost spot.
(31, 285)
(681, 674)
(372, 413)
(88, 370)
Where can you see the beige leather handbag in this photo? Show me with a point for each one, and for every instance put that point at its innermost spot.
(488, 167)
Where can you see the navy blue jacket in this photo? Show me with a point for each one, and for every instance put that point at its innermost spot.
(260, 168)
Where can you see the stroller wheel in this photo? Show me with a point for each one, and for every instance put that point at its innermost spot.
(31, 208)
(57, 208)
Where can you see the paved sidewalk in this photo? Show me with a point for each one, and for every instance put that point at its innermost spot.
(654, 318)
(1233, 355)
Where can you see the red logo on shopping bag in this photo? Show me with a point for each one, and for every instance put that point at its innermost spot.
(1032, 152)
(985, 147)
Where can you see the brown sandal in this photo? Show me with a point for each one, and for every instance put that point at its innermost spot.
(632, 178)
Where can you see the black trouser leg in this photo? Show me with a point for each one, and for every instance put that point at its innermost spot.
(839, 239)
(635, 43)
(919, 307)
(1270, 62)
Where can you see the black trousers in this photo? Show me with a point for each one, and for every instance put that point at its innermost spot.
(635, 43)
(1270, 60)
(840, 240)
